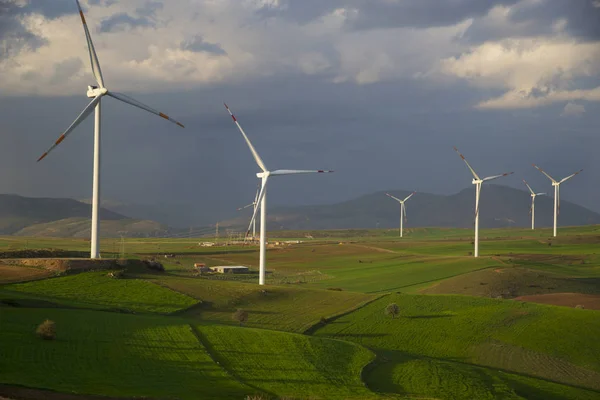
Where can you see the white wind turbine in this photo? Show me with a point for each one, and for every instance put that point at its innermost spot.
(402, 209)
(532, 209)
(96, 93)
(556, 185)
(478, 181)
(254, 204)
(262, 196)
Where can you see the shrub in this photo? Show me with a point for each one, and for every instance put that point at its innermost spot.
(47, 330)
(323, 321)
(580, 306)
(392, 309)
(240, 316)
(337, 289)
(117, 274)
(154, 265)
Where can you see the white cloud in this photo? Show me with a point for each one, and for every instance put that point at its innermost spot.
(534, 71)
(573, 110)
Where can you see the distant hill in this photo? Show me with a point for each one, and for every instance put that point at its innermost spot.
(18, 212)
(26, 216)
(80, 227)
(500, 206)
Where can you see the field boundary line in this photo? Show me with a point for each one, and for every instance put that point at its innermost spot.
(212, 354)
(312, 328)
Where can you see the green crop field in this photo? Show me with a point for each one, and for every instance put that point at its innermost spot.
(99, 289)
(318, 329)
(287, 364)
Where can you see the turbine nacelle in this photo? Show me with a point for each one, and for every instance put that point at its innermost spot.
(95, 91)
(264, 174)
(477, 181)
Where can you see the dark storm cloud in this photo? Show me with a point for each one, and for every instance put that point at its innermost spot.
(581, 19)
(392, 135)
(386, 14)
(14, 36)
(123, 21)
(146, 17)
(199, 45)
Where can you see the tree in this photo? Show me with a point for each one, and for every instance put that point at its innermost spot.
(392, 309)
(240, 316)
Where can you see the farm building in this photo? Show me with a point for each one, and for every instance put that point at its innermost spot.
(232, 269)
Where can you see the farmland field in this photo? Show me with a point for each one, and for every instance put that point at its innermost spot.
(467, 328)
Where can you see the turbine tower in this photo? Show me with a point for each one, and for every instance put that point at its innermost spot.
(532, 209)
(477, 181)
(556, 185)
(254, 204)
(96, 93)
(402, 209)
(262, 196)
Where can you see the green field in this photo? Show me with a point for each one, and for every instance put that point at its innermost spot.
(318, 329)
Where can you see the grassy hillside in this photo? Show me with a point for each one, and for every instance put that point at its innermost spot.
(290, 365)
(513, 282)
(454, 332)
(80, 228)
(111, 354)
(97, 288)
(282, 308)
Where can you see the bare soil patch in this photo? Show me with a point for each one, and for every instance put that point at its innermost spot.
(61, 264)
(589, 301)
(509, 283)
(12, 274)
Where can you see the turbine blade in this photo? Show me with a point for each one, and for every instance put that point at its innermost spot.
(395, 198)
(529, 187)
(129, 100)
(465, 160)
(404, 212)
(541, 194)
(491, 178)
(257, 158)
(544, 172)
(243, 208)
(260, 197)
(84, 114)
(570, 176)
(409, 196)
(299, 171)
(93, 56)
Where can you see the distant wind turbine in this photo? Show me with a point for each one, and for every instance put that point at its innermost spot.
(556, 185)
(532, 209)
(254, 204)
(402, 208)
(262, 196)
(96, 93)
(478, 181)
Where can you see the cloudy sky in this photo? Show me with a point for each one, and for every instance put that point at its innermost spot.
(377, 90)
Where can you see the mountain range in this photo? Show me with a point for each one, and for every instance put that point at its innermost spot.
(500, 206)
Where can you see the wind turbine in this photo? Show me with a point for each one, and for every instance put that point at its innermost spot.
(253, 204)
(402, 208)
(262, 196)
(96, 93)
(556, 185)
(532, 209)
(477, 181)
